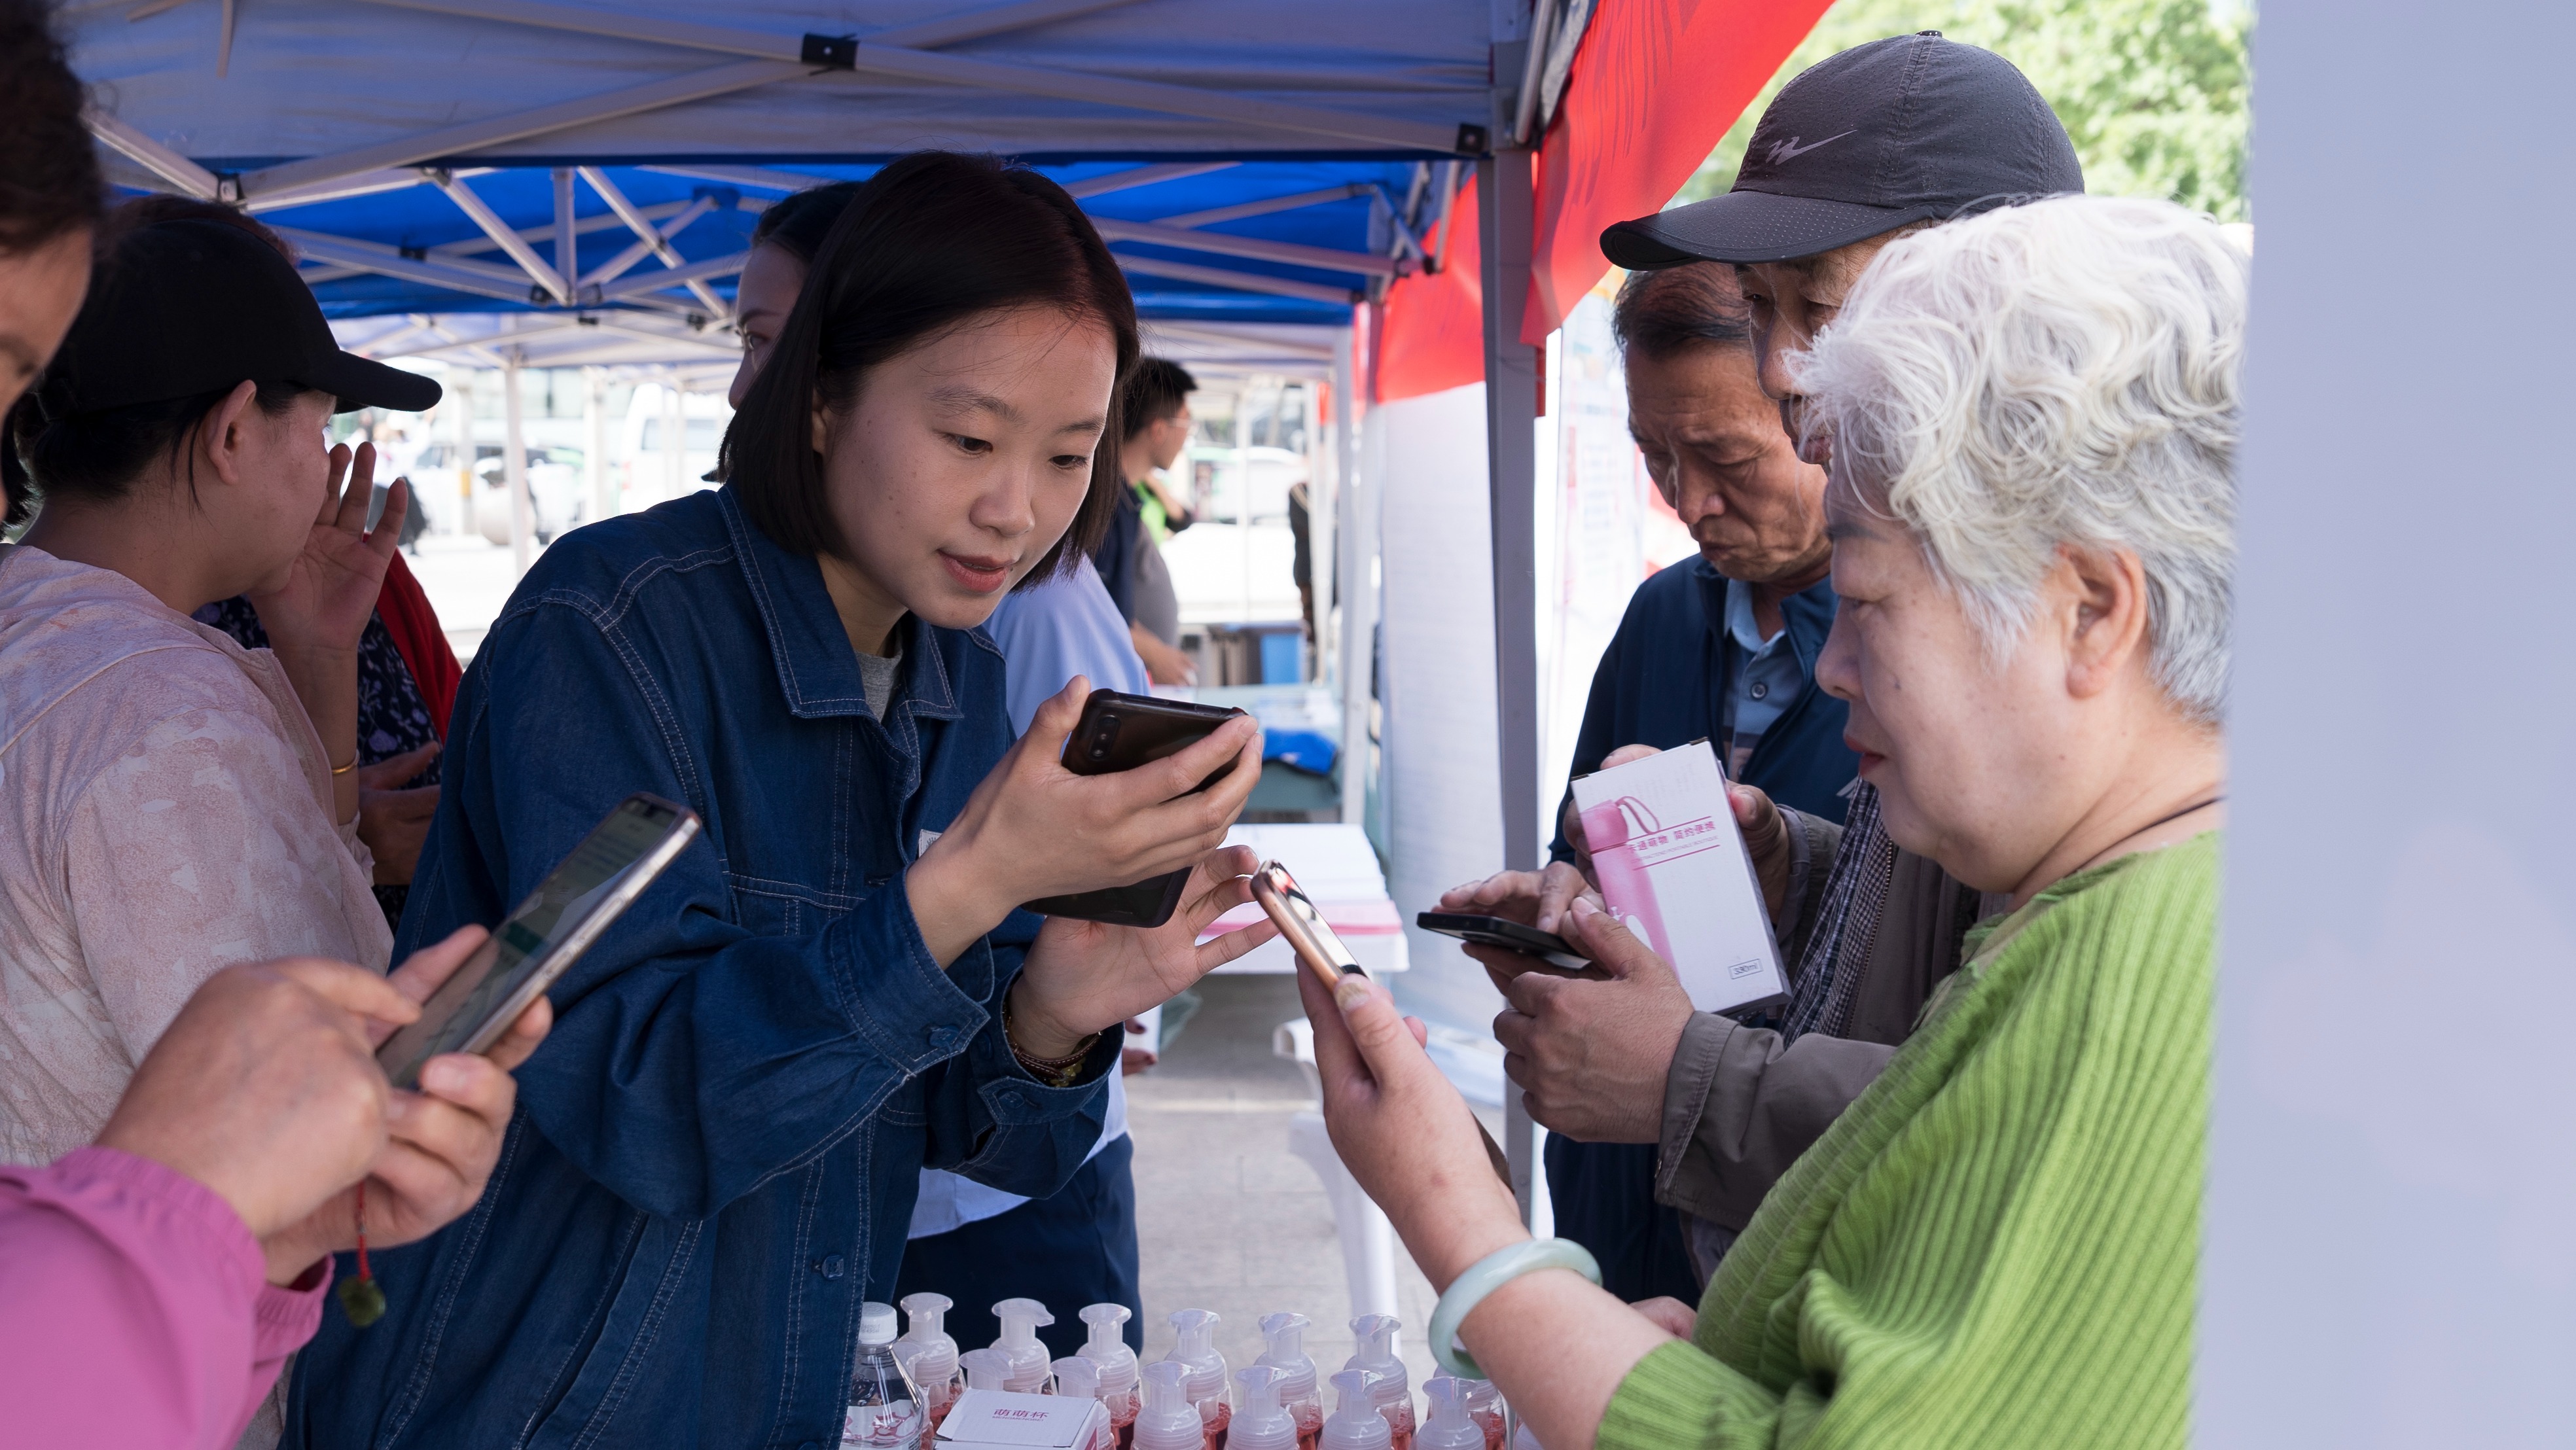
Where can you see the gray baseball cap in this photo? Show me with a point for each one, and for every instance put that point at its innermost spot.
(1906, 129)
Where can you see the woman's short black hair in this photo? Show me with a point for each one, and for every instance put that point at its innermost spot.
(49, 177)
(934, 239)
(799, 222)
(1672, 309)
(1156, 390)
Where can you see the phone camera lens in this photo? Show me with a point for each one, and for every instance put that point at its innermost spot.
(1103, 736)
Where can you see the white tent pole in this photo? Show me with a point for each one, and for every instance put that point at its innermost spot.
(1356, 588)
(1511, 450)
(475, 136)
(650, 236)
(1246, 281)
(1323, 517)
(567, 230)
(514, 467)
(582, 226)
(1134, 177)
(643, 282)
(594, 420)
(1266, 205)
(461, 387)
(503, 234)
(457, 274)
(679, 221)
(1295, 254)
(151, 155)
(675, 423)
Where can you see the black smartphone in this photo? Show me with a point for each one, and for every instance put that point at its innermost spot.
(1119, 731)
(551, 929)
(1495, 931)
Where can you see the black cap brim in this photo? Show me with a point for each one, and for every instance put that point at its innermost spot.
(365, 384)
(1747, 227)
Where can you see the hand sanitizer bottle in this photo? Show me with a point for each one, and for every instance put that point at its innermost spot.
(1030, 1367)
(1078, 1378)
(1485, 1407)
(1260, 1424)
(1448, 1426)
(1107, 1348)
(929, 1355)
(1355, 1423)
(1205, 1383)
(1387, 1381)
(884, 1414)
(1283, 1349)
(988, 1368)
(1167, 1420)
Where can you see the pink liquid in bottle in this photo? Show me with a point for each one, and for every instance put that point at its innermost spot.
(1608, 830)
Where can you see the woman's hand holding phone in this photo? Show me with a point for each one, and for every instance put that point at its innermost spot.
(1083, 977)
(1034, 829)
(440, 1143)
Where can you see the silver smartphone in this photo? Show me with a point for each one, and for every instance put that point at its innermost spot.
(535, 944)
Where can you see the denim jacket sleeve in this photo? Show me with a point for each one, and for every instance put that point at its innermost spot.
(692, 1059)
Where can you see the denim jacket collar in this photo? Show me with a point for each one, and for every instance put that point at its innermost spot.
(818, 672)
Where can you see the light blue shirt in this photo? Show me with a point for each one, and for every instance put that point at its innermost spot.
(1763, 677)
(1049, 633)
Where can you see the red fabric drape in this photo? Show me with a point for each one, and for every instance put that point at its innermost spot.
(414, 625)
(1655, 84)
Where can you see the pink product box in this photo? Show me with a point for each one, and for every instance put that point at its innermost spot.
(1673, 868)
(999, 1420)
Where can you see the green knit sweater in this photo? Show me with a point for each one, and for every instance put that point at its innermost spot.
(1997, 1243)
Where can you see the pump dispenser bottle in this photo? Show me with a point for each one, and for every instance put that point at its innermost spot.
(1448, 1426)
(1079, 1379)
(884, 1412)
(929, 1355)
(1283, 1349)
(1167, 1420)
(1107, 1348)
(1259, 1423)
(1205, 1383)
(1355, 1423)
(1387, 1381)
(1484, 1406)
(988, 1368)
(1030, 1367)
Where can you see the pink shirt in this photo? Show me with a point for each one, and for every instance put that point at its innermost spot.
(165, 812)
(134, 1308)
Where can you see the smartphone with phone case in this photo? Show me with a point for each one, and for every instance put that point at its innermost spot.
(1119, 731)
(1497, 931)
(548, 932)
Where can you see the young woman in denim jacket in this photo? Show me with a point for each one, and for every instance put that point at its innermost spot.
(716, 1155)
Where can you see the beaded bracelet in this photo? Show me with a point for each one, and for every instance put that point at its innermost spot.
(1052, 1071)
(1486, 1275)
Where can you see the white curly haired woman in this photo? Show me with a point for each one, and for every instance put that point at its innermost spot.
(2034, 416)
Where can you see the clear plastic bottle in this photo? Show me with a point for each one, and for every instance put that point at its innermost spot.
(1167, 1420)
(1283, 1349)
(1355, 1423)
(1260, 1423)
(929, 1355)
(1447, 1425)
(988, 1368)
(1031, 1369)
(1079, 1379)
(885, 1413)
(1205, 1383)
(1387, 1380)
(1485, 1407)
(1107, 1348)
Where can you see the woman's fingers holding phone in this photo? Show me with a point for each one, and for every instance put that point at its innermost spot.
(523, 1036)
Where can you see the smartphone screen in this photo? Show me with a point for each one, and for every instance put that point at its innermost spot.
(534, 944)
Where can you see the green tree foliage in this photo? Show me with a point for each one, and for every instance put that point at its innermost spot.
(2152, 91)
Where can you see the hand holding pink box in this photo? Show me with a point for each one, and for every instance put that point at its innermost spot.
(1673, 869)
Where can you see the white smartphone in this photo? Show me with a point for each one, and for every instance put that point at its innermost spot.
(535, 944)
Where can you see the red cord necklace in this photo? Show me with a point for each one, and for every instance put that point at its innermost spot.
(362, 1298)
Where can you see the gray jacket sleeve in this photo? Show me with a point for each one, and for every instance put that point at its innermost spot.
(1739, 1108)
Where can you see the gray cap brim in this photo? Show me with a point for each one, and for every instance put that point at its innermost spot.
(1747, 227)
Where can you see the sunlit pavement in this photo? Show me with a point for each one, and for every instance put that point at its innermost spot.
(468, 580)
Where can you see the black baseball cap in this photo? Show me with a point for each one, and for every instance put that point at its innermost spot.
(1901, 130)
(186, 307)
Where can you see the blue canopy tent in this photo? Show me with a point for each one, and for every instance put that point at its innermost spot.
(517, 179)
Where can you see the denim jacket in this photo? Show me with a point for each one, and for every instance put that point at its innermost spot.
(715, 1154)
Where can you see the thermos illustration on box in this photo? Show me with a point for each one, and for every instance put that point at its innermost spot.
(1673, 869)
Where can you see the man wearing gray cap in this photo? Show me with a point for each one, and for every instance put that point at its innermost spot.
(1865, 146)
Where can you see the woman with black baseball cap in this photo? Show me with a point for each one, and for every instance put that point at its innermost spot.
(172, 803)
